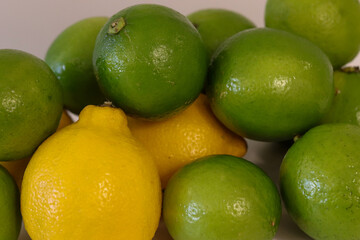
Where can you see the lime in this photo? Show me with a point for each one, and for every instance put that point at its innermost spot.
(330, 24)
(216, 25)
(150, 61)
(269, 85)
(70, 57)
(346, 105)
(221, 197)
(30, 103)
(320, 182)
(9, 207)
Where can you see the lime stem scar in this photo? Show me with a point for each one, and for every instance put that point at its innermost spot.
(117, 25)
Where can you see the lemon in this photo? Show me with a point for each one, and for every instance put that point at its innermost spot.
(30, 103)
(330, 24)
(92, 180)
(181, 139)
(150, 61)
(17, 167)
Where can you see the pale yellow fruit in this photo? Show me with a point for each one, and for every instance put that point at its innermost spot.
(92, 180)
(189, 135)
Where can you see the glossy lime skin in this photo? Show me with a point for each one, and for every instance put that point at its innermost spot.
(155, 66)
(320, 182)
(221, 197)
(330, 24)
(269, 85)
(9, 207)
(31, 103)
(346, 105)
(70, 57)
(216, 25)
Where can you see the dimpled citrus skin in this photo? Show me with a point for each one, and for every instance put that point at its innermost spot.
(330, 24)
(320, 182)
(216, 25)
(70, 57)
(154, 66)
(346, 105)
(92, 180)
(17, 167)
(221, 197)
(30, 103)
(269, 85)
(183, 138)
(9, 207)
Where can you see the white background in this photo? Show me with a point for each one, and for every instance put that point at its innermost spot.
(32, 25)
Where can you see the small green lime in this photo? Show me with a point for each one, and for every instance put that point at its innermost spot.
(221, 197)
(9, 207)
(216, 25)
(269, 85)
(330, 24)
(320, 182)
(70, 57)
(346, 105)
(31, 103)
(150, 61)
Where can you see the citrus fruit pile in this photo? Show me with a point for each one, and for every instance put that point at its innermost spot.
(165, 103)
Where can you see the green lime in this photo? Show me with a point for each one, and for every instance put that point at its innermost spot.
(70, 57)
(320, 182)
(216, 25)
(330, 24)
(9, 207)
(221, 197)
(30, 103)
(269, 85)
(150, 61)
(346, 105)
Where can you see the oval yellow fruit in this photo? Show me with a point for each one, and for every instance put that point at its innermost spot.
(92, 180)
(183, 138)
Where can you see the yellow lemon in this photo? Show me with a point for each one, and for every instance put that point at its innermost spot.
(17, 168)
(92, 180)
(189, 135)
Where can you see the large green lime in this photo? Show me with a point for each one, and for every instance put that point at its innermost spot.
(70, 57)
(30, 103)
(346, 105)
(269, 85)
(216, 25)
(330, 24)
(221, 197)
(150, 61)
(9, 207)
(320, 182)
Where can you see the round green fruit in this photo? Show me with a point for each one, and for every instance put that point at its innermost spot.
(330, 24)
(9, 207)
(70, 57)
(150, 61)
(221, 197)
(216, 25)
(320, 182)
(346, 105)
(269, 85)
(31, 103)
